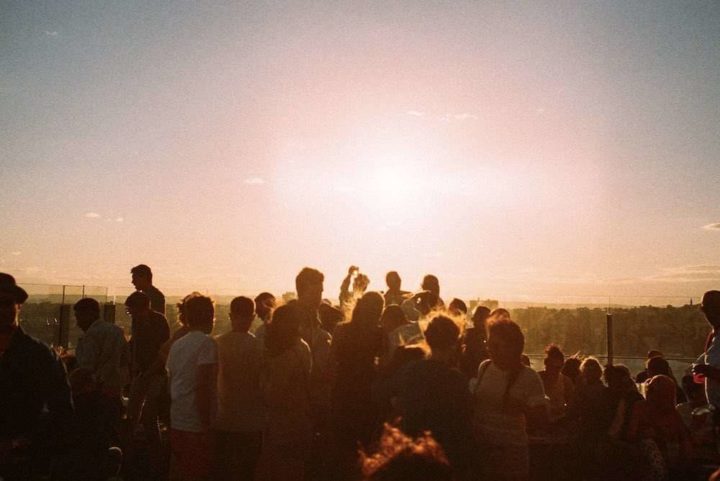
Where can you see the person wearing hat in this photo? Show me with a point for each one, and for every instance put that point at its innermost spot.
(710, 307)
(32, 379)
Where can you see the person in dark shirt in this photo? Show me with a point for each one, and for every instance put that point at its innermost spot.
(150, 331)
(434, 396)
(474, 343)
(142, 279)
(35, 400)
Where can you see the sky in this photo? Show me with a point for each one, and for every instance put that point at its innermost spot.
(514, 149)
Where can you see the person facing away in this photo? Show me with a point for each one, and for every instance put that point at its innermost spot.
(433, 395)
(558, 387)
(150, 331)
(394, 295)
(356, 345)
(658, 427)
(642, 376)
(33, 387)
(458, 308)
(286, 389)
(401, 458)
(241, 412)
(142, 279)
(508, 396)
(192, 369)
(264, 305)
(432, 284)
(102, 349)
(659, 366)
(623, 395)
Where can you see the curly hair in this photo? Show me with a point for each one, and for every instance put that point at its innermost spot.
(401, 458)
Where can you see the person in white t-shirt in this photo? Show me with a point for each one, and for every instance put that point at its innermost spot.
(508, 395)
(192, 367)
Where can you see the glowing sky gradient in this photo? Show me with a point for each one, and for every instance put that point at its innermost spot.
(535, 148)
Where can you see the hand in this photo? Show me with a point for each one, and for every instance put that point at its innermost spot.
(353, 269)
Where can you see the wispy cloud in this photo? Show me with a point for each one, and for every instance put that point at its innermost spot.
(254, 181)
(16, 253)
(119, 219)
(715, 226)
(92, 215)
(448, 117)
(686, 274)
(51, 34)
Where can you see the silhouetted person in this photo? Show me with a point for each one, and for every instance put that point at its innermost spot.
(594, 411)
(103, 351)
(309, 286)
(432, 284)
(658, 366)
(458, 308)
(474, 348)
(558, 387)
(330, 317)
(35, 400)
(571, 368)
(355, 347)
(264, 305)
(241, 413)
(433, 395)
(286, 390)
(192, 369)
(150, 331)
(142, 279)
(710, 307)
(92, 434)
(642, 376)
(659, 429)
(400, 458)
(392, 318)
(360, 283)
(394, 294)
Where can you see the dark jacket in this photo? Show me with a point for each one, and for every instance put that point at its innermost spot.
(33, 379)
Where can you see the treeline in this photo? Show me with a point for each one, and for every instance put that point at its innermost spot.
(676, 331)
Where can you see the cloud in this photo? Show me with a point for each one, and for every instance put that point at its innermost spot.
(16, 253)
(254, 181)
(715, 226)
(92, 215)
(686, 274)
(465, 116)
(415, 113)
(119, 219)
(51, 34)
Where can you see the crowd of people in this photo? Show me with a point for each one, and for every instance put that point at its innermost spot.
(390, 385)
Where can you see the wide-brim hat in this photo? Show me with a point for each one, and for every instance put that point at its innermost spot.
(9, 286)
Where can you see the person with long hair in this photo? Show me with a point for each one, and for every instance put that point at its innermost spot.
(286, 390)
(355, 347)
(508, 395)
(657, 426)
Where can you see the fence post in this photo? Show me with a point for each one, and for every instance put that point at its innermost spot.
(610, 341)
(61, 319)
